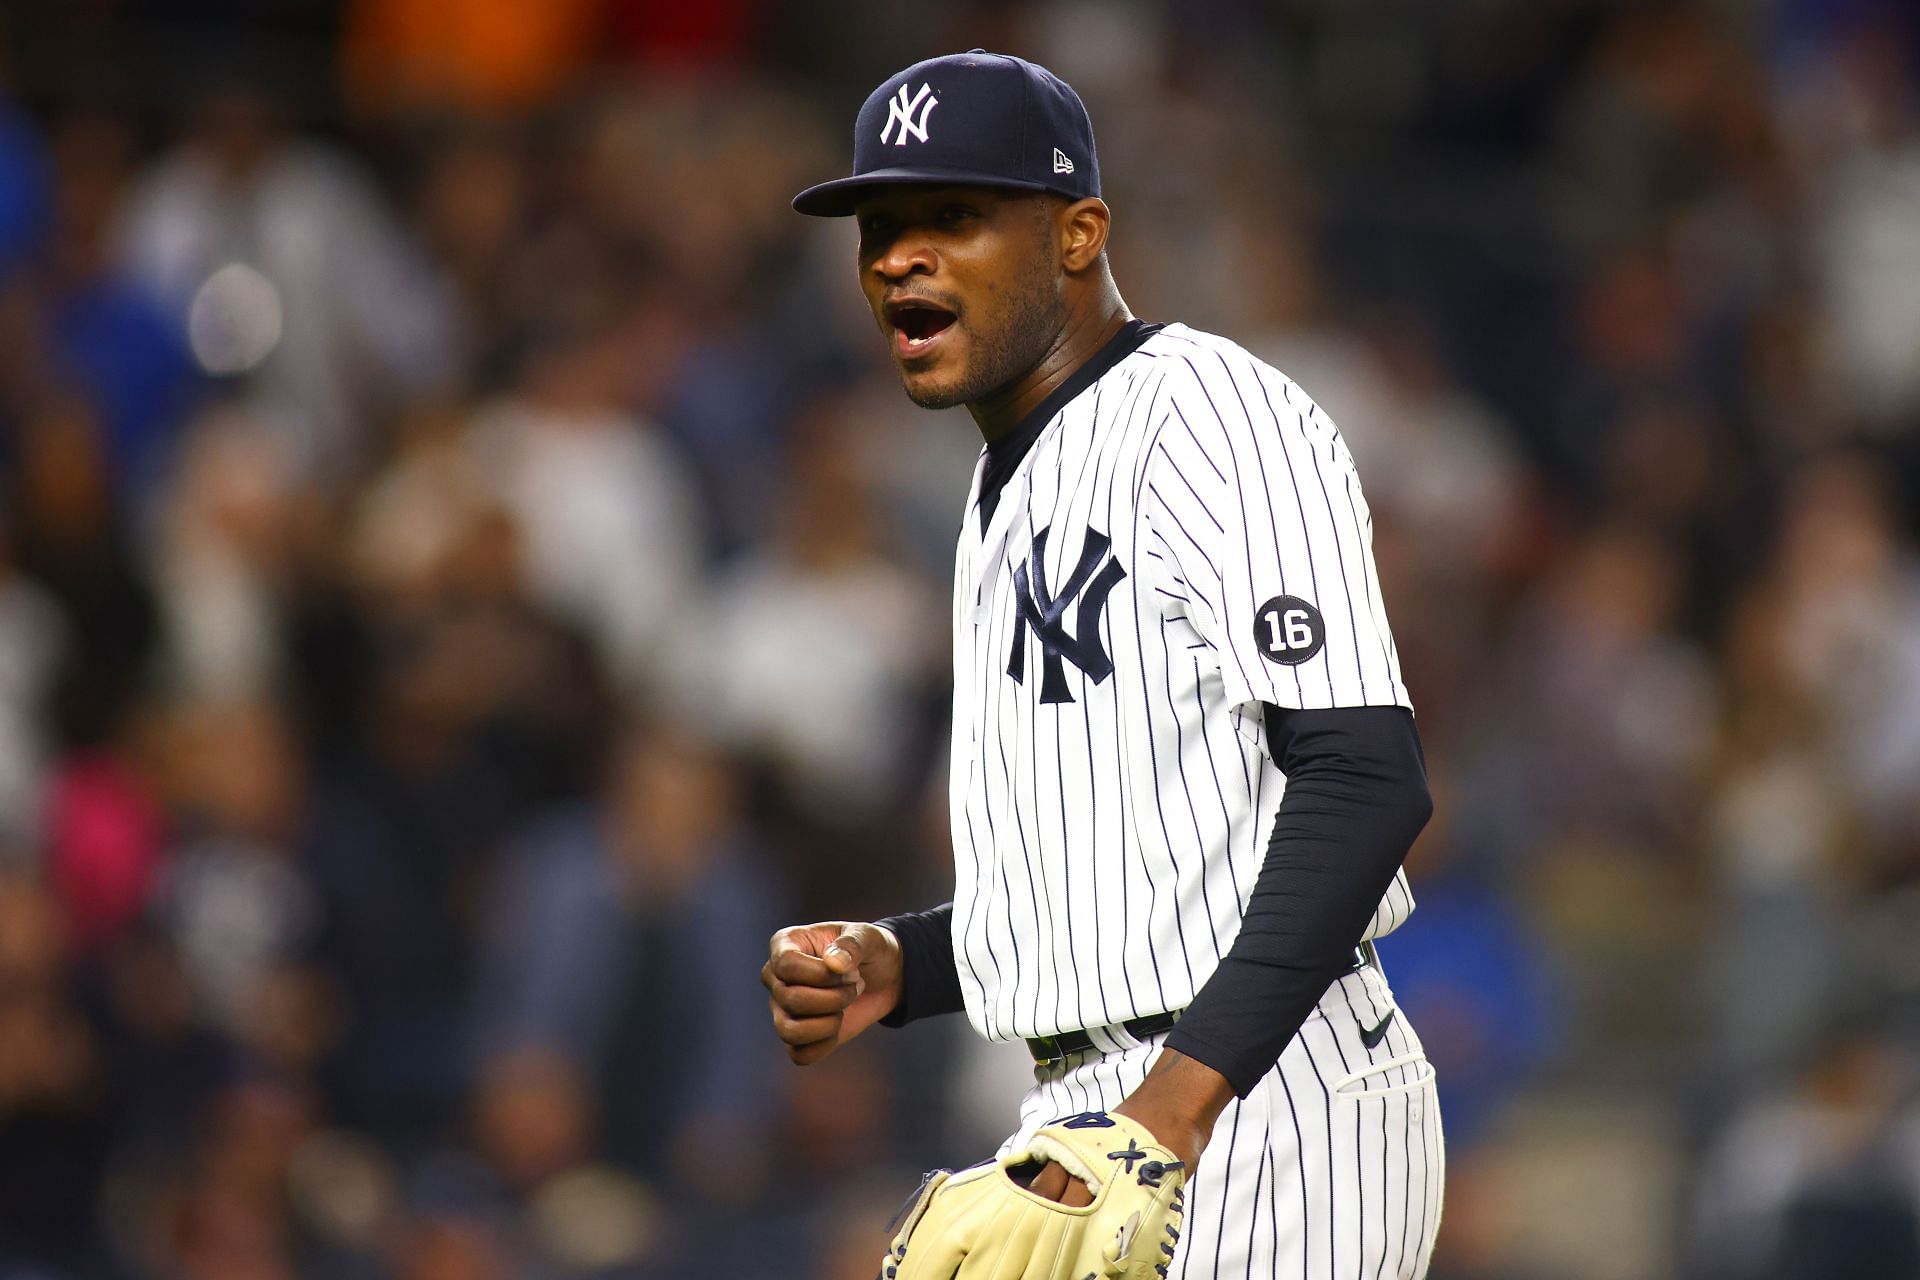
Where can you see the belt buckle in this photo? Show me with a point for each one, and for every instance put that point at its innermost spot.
(1045, 1050)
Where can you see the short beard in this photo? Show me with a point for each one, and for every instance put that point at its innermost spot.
(1033, 325)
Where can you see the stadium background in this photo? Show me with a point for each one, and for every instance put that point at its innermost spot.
(468, 574)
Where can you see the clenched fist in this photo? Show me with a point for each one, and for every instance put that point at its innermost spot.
(828, 983)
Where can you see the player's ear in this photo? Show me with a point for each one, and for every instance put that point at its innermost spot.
(1083, 228)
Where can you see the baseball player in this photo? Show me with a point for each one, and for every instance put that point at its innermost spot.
(1184, 766)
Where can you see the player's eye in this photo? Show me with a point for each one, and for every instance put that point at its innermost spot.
(953, 214)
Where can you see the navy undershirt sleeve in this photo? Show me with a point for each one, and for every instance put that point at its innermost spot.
(930, 976)
(1356, 797)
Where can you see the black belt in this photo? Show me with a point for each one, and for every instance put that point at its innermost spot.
(1048, 1050)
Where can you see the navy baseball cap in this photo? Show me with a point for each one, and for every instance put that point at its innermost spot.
(972, 119)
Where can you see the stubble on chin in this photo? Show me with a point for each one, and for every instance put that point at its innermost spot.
(932, 397)
(1030, 332)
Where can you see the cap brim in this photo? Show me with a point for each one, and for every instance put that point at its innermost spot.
(836, 199)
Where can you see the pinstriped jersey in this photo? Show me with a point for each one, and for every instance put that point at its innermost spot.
(1185, 540)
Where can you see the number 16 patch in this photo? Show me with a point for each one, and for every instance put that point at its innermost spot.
(1288, 630)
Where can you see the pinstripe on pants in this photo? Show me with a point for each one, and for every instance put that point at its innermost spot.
(1331, 1169)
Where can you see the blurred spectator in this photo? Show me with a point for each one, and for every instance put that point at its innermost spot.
(166, 1064)
(223, 560)
(532, 1130)
(601, 501)
(1294, 332)
(54, 1137)
(289, 271)
(33, 638)
(820, 641)
(691, 181)
(857, 1234)
(835, 1132)
(70, 536)
(1474, 980)
(103, 837)
(1639, 131)
(231, 1218)
(111, 340)
(473, 208)
(1635, 343)
(1438, 460)
(614, 939)
(1821, 1180)
(234, 899)
(1864, 175)
(1778, 833)
(465, 731)
(449, 1245)
(1606, 707)
(25, 189)
(921, 466)
(1849, 618)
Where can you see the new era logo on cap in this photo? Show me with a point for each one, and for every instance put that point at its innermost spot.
(1004, 122)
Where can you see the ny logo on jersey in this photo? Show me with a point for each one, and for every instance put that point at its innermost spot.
(901, 111)
(1036, 607)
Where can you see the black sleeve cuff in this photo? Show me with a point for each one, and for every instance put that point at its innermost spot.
(929, 978)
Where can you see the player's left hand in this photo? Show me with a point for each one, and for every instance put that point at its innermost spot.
(992, 1222)
(1179, 1102)
(1056, 1184)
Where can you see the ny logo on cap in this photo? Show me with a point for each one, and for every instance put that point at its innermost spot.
(902, 110)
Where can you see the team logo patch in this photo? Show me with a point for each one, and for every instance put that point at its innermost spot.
(1045, 613)
(1289, 630)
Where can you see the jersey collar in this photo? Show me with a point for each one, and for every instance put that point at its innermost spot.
(1004, 454)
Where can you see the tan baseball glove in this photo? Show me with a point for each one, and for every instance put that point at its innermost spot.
(984, 1224)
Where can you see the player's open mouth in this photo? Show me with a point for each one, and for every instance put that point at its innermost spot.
(916, 325)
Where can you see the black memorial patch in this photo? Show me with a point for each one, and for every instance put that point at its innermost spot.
(1289, 630)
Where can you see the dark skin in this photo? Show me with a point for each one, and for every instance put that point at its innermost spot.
(989, 298)
(1023, 275)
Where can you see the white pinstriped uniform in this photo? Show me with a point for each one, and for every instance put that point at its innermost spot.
(1185, 540)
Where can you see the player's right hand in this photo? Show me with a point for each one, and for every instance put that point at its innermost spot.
(828, 983)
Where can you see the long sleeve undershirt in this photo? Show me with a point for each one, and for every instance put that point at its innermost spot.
(1356, 797)
(930, 975)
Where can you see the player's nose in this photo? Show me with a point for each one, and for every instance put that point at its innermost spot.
(904, 255)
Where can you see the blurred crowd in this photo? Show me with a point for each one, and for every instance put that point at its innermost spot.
(467, 574)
